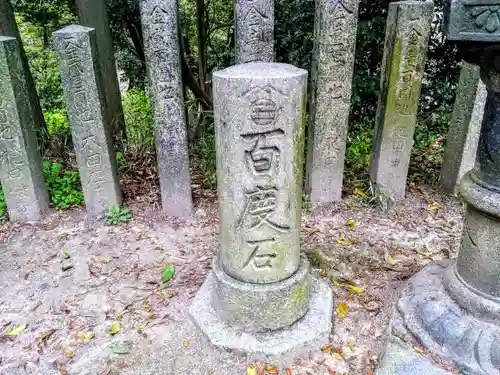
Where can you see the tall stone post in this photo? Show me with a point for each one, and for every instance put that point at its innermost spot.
(76, 47)
(407, 34)
(254, 30)
(465, 125)
(93, 13)
(452, 309)
(260, 283)
(333, 63)
(20, 164)
(163, 62)
(8, 27)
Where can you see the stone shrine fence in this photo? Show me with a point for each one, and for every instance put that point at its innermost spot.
(94, 104)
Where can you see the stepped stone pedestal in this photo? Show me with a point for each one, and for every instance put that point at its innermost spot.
(260, 297)
(452, 309)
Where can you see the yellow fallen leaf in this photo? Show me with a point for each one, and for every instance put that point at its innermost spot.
(87, 336)
(359, 192)
(355, 289)
(251, 370)
(342, 309)
(115, 328)
(68, 352)
(418, 349)
(351, 223)
(325, 348)
(343, 240)
(186, 343)
(390, 260)
(106, 260)
(16, 330)
(272, 370)
(350, 344)
(434, 207)
(65, 254)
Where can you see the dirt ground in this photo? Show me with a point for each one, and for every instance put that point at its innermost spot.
(53, 321)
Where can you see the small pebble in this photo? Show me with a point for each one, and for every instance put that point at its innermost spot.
(66, 264)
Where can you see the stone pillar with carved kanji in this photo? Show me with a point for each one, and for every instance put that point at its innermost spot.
(405, 52)
(76, 47)
(254, 30)
(260, 285)
(163, 64)
(452, 309)
(333, 63)
(21, 172)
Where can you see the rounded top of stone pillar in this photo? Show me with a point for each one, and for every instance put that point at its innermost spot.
(256, 70)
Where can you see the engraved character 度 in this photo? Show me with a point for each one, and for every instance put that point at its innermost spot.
(260, 204)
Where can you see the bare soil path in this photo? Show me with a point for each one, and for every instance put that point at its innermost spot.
(56, 314)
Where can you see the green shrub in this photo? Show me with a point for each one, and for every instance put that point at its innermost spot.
(3, 206)
(139, 121)
(57, 121)
(63, 185)
(204, 147)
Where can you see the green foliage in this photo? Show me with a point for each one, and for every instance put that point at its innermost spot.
(116, 215)
(168, 273)
(3, 206)
(63, 186)
(139, 121)
(44, 67)
(205, 149)
(57, 121)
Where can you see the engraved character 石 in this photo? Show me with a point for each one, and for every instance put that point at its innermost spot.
(258, 258)
(262, 158)
(260, 205)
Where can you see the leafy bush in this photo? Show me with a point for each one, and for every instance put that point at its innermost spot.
(63, 185)
(3, 206)
(205, 149)
(139, 121)
(116, 215)
(57, 121)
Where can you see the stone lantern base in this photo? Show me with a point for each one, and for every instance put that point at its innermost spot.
(452, 321)
(308, 333)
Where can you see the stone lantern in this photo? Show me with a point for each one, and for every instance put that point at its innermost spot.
(452, 309)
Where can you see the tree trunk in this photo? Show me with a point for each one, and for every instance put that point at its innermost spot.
(202, 43)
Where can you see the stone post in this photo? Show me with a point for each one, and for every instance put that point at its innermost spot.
(163, 62)
(8, 27)
(333, 64)
(260, 282)
(20, 164)
(407, 33)
(76, 47)
(93, 13)
(465, 125)
(452, 309)
(254, 30)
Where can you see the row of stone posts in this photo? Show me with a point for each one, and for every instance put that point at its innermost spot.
(95, 113)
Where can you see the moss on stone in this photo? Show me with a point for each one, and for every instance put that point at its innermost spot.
(299, 295)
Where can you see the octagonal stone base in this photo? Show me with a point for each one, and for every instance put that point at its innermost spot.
(309, 333)
(458, 326)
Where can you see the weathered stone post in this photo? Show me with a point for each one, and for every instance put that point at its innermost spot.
(20, 164)
(260, 284)
(8, 27)
(161, 45)
(254, 30)
(92, 135)
(407, 33)
(465, 126)
(453, 309)
(333, 64)
(93, 13)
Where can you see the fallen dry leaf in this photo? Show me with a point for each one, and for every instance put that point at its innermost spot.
(418, 349)
(272, 370)
(251, 370)
(344, 240)
(185, 343)
(351, 223)
(16, 330)
(330, 371)
(342, 309)
(115, 328)
(68, 352)
(434, 207)
(288, 371)
(390, 260)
